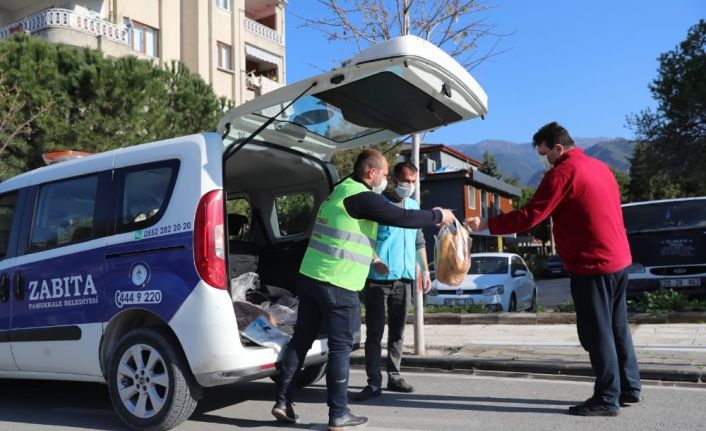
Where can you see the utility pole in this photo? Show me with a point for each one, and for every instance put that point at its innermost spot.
(419, 342)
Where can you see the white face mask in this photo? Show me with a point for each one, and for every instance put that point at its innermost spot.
(545, 162)
(380, 187)
(404, 190)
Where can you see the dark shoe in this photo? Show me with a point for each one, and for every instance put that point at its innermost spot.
(629, 399)
(399, 386)
(592, 408)
(367, 393)
(285, 412)
(348, 420)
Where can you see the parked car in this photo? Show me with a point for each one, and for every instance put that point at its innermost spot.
(501, 281)
(119, 267)
(554, 266)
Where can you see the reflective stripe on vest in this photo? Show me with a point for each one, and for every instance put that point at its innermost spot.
(343, 235)
(341, 247)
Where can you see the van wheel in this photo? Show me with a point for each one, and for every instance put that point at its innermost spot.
(310, 375)
(149, 382)
(306, 376)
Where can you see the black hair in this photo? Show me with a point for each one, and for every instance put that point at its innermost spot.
(404, 165)
(551, 134)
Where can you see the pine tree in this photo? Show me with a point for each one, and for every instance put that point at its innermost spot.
(91, 103)
(489, 166)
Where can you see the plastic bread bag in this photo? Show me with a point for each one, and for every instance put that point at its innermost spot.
(452, 254)
(243, 283)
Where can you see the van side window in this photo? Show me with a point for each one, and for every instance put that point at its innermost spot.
(295, 213)
(7, 211)
(64, 213)
(145, 192)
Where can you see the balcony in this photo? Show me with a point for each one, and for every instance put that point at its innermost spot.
(64, 18)
(263, 31)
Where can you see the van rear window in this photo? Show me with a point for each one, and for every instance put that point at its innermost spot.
(146, 190)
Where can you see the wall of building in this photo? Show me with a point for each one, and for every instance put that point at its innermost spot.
(446, 193)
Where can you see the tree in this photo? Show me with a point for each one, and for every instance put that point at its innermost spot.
(453, 25)
(489, 166)
(623, 181)
(345, 159)
(91, 103)
(671, 152)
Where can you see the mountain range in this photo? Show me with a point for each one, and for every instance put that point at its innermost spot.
(521, 160)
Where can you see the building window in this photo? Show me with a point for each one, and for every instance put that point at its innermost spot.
(224, 56)
(471, 197)
(143, 38)
(484, 204)
(496, 204)
(223, 4)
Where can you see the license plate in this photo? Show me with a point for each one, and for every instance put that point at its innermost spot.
(679, 282)
(457, 301)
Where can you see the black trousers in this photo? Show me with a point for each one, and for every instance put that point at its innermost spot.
(377, 295)
(602, 326)
(337, 308)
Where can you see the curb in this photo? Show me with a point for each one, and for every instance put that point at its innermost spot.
(671, 373)
(547, 318)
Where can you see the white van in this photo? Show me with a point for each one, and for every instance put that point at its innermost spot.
(117, 267)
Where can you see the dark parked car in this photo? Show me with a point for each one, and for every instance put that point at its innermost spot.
(554, 266)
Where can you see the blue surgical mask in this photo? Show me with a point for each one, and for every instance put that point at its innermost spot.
(404, 190)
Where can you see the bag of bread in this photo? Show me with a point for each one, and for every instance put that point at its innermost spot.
(452, 254)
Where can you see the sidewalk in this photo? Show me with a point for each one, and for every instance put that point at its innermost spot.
(668, 352)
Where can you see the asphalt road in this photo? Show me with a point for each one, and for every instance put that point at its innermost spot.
(553, 291)
(442, 402)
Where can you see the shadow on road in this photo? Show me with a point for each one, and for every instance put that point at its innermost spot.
(66, 404)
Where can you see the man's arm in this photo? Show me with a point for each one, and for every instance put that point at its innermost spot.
(372, 206)
(550, 192)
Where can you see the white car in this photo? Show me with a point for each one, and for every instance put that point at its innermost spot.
(501, 281)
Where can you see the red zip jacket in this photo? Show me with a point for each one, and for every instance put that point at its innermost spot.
(581, 195)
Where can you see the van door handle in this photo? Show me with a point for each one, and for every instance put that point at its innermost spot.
(19, 287)
(4, 287)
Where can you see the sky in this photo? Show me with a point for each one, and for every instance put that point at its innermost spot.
(585, 63)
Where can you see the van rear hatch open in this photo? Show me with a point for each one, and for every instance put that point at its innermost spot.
(398, 87)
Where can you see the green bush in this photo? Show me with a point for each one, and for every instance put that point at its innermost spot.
(663, 301)
(468, 308)
(567, 307)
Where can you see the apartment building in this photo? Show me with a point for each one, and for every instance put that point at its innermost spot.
(236, 45)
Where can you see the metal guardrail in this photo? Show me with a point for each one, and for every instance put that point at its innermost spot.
(64, 18)
(262, 30)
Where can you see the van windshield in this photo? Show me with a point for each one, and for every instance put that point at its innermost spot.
(658, 216)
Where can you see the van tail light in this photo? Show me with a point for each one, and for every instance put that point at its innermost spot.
(209, 240)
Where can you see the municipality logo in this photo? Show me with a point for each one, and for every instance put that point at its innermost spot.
(138, 234)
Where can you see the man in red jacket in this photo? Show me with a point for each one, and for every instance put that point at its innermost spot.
(581, 195)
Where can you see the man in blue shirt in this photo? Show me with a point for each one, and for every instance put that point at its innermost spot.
(398, 251)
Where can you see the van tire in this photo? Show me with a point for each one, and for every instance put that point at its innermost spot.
(174, 389)
(310, 375)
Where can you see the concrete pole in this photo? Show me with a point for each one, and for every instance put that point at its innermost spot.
(419, 343)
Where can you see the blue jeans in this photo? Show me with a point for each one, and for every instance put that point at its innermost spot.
(338, 310)
(602, 326)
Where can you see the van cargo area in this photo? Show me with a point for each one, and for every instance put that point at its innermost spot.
(272, 197)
